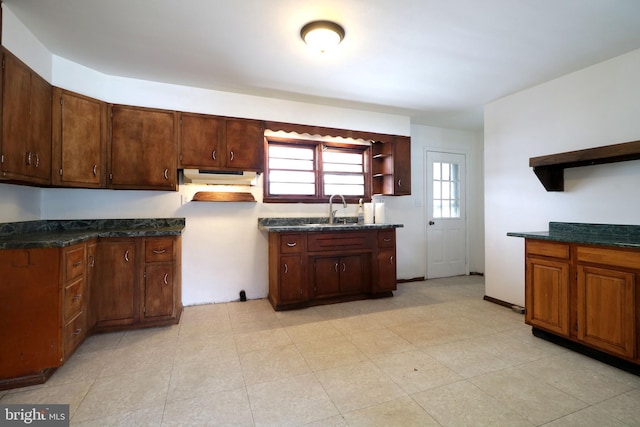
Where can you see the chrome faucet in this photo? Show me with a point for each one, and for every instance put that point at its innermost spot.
(332, 213)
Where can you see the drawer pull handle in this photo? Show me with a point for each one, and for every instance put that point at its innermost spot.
(387, 239)
(286, 268)
(76, 297)
(213, 154)
(126, 255)
(399, 183)
(159, 251)
(344, 267)
(166, 278)
(291, 245)
(391, 260)
(231, 159)
(166, 174)
(95, 170)
(77, 263)
(29, 158)
(93, 261)
(77, 331)
(336, 267)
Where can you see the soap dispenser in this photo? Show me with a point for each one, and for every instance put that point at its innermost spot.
(360, 212)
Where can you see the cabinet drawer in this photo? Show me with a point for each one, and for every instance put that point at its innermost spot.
(386, 239)
(73, 334)
(291, 243)
(158, 250)
(610, 257)
(73, 262)
(339, 241)
(552, 249)
(73, 298)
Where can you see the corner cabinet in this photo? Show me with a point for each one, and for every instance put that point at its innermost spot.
(585, 293)
(221, 143)
(143, 149)
(312, 268)
(78, 140)
(391, 167)
(25, 147)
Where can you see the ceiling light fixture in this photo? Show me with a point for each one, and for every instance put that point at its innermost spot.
(322, 35)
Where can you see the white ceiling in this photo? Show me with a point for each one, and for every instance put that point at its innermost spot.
(438, 61)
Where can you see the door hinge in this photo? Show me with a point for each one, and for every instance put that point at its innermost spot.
(60, 171)
(61, 101)
(144, 274)
(1, 158)
(110, 177)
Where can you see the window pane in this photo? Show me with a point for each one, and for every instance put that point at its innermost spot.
(445, 171)
(289, 176)
(345, 190)
(437, 194)
(340, 167)
(341, 157)
(282, 152)
(292, 189)
(436, 171)
(275, 163)
(343, 179)
(454, 172)
(437, 209)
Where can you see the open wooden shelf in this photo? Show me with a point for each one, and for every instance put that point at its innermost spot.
(223, 196)
(550, 169)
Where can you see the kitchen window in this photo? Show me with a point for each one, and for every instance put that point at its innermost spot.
(311, 171)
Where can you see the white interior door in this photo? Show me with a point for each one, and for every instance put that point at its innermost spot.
(446, 216)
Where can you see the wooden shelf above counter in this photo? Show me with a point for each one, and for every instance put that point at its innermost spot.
(223, 196)
(550, 169)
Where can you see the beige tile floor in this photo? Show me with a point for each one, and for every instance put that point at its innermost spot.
(435, 354)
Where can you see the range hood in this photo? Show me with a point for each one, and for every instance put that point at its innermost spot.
(202, 176)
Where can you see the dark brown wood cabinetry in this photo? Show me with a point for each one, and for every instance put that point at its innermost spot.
(587, 294)
(143, 149)
(391, 167)
(55, 297)
(79, 133)
(211, 142)
(25, 154)
(310, 268)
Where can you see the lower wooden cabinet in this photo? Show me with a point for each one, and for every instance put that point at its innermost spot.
(587, 294)
(309, 268)
(53, 298)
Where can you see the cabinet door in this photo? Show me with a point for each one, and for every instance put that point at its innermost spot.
(30, 316)
(79, 130)
(92, 248)
(40, 139)
(16, 103)
(291, 279)
(244, 144)
(352, 277)
(547, 295)
(158, 296)
(402, 166)
(326, 276)
(114, 296)
(143, 149)
(386, 280)
(606, 309)
(201, 141)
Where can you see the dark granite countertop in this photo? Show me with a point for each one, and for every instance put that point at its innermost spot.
(61, 233)
(623, 236)
(283, 225)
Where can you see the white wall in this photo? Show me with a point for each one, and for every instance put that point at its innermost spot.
(223, 251)
(597, 106)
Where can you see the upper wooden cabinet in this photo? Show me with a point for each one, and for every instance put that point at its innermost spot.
(78, 140)
(391, 167)
(25, 154)
(143, 149)
(212, 142)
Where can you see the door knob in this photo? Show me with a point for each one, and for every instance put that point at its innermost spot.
(431, 222)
